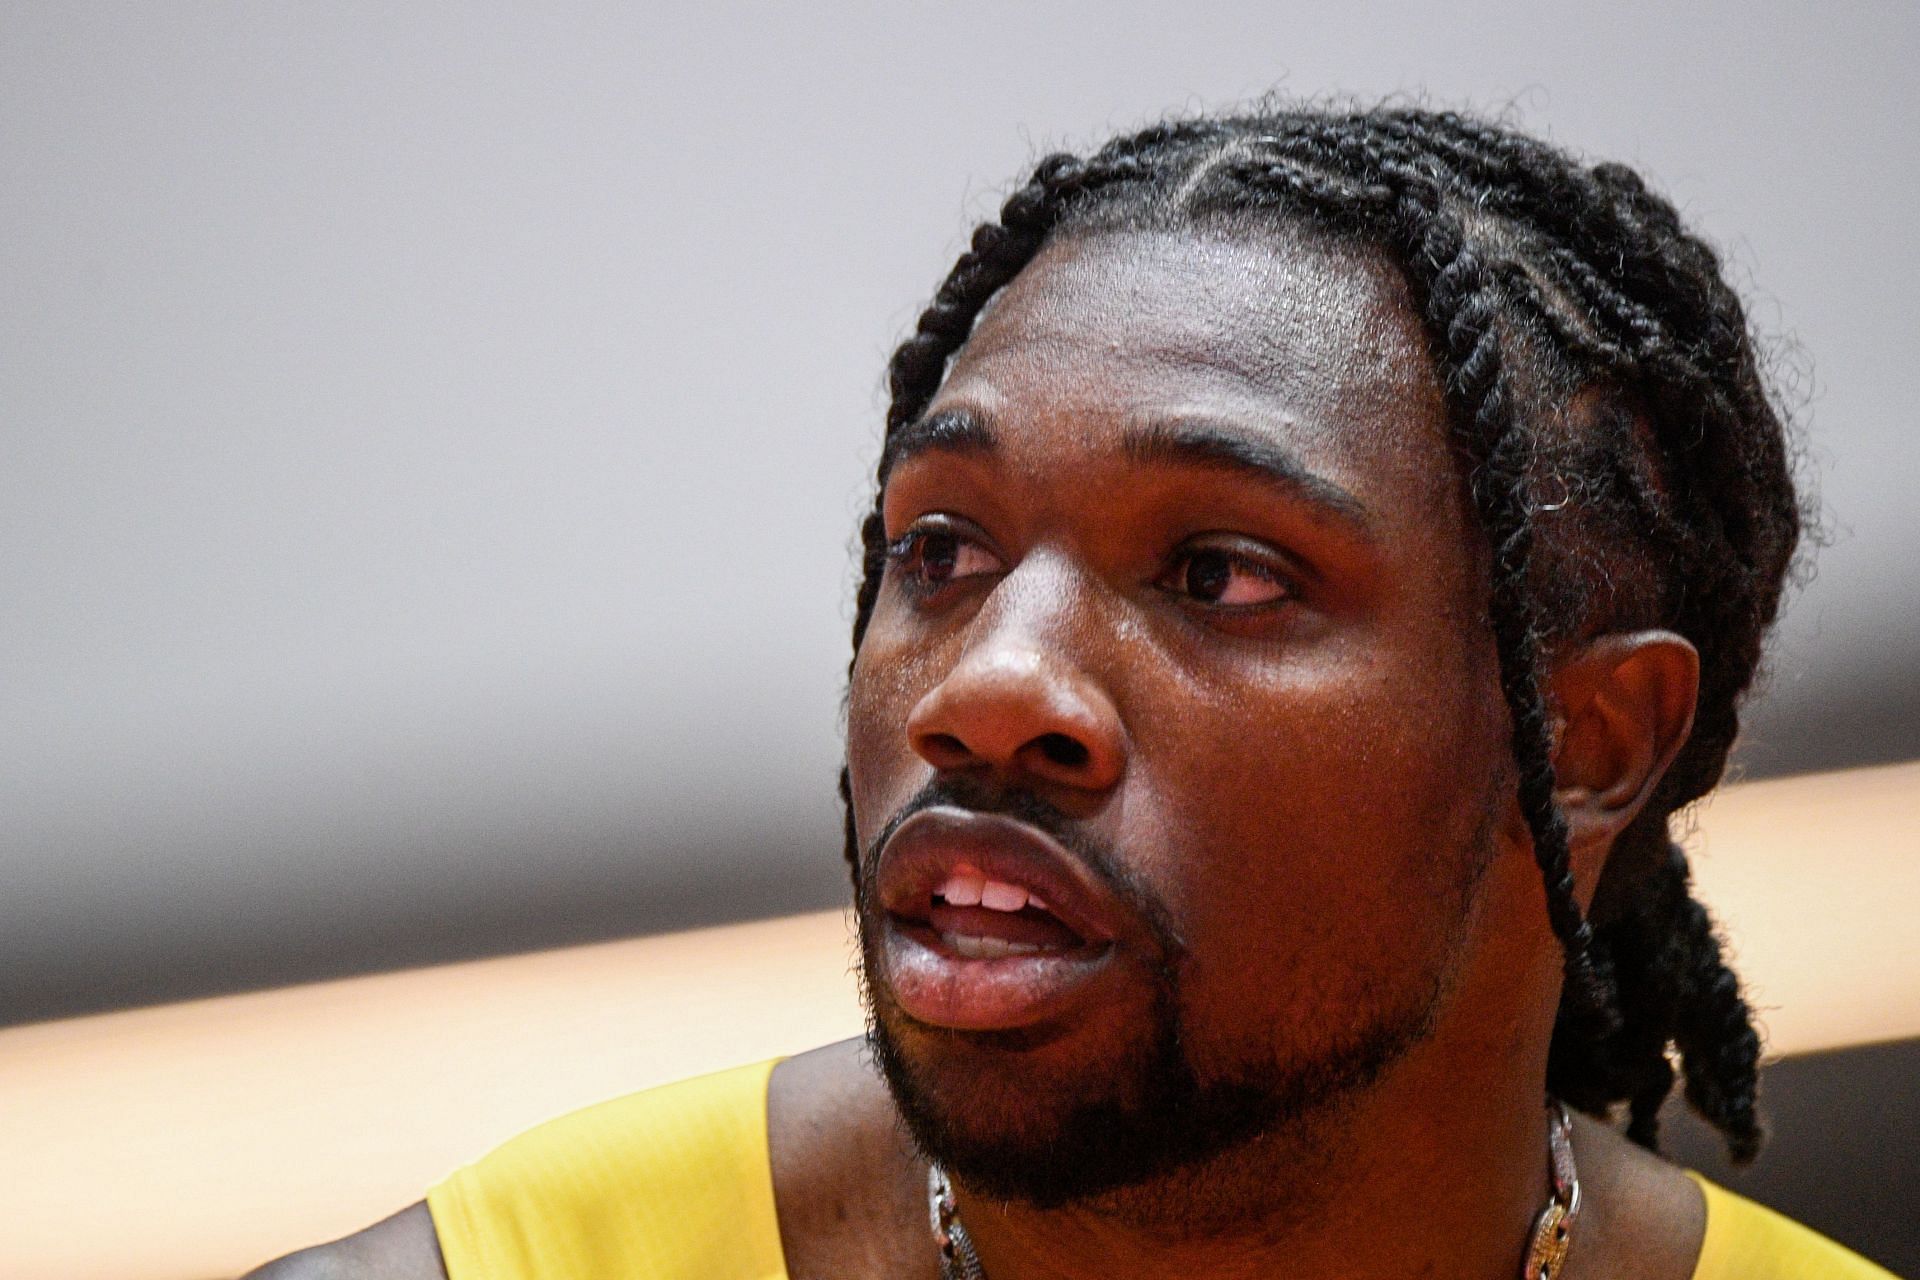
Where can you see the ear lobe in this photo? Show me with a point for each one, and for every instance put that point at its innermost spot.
(1623, 708)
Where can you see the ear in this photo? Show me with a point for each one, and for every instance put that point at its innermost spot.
(1622, 708)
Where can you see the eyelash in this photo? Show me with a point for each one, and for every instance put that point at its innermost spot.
(902, 551)
(1258, 567)
(911, 546)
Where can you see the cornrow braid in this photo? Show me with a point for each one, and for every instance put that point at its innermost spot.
(1585, 340)
(1463, 302)
(1672, 980)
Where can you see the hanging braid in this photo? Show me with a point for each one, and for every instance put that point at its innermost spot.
(1589, 348)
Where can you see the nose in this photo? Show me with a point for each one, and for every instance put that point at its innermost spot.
(1018, 706)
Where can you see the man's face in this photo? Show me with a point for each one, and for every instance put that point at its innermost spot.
(1181, 643)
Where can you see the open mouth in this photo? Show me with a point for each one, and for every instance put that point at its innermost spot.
(989, 922)
(980, 918)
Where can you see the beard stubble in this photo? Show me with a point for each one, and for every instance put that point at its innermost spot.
(1143, 1133)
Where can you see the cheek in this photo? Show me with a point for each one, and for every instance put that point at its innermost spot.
(1337, 807)
(887, 680)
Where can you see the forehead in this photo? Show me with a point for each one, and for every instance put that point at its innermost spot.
(1295, 337)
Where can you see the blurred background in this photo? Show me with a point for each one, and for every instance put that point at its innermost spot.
(433, 435)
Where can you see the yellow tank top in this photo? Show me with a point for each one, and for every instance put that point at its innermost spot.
(674, 1184)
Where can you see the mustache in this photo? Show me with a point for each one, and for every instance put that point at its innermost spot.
(1092, 852)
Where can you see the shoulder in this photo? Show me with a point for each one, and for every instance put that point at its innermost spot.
(402, 1247)
(1748, 1241)
(1651, 1218)
(1643, 1218)
(668, 1182)
(850, 1187)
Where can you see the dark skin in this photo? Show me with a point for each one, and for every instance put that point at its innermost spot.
(1091, 582)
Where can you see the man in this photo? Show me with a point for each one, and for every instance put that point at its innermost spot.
(1313, 556)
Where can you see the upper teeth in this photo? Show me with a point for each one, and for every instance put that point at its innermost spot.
(968, 888)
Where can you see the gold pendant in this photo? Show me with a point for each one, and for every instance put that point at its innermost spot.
(1547, 1252)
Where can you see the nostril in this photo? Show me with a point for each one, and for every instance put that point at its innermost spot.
(1059, 749)
(943, 750)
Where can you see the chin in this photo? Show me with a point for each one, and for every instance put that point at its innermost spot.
(1132, 1126)
(1022, 1117)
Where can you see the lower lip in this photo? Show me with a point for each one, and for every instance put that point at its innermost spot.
(935, 985)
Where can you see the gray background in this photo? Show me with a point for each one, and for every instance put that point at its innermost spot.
(433, 436)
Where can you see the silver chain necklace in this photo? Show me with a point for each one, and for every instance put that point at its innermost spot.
(958, 1261)
(1547, 1246)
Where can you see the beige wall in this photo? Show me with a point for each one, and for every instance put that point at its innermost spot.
(192, 1141)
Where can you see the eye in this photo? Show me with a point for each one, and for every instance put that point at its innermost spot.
(931, 555)
(1227, 578)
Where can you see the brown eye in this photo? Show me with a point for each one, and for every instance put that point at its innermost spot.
(1217, 576)
(1208, 575)
(932, 557)
(939, 556)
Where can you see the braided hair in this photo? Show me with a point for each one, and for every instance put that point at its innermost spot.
(1627, 462)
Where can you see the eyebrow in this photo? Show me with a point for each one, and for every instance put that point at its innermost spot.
(1198, 443)
(1182, 443)
(950, 431)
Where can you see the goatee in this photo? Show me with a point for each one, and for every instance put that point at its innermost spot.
(1140, 1131)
